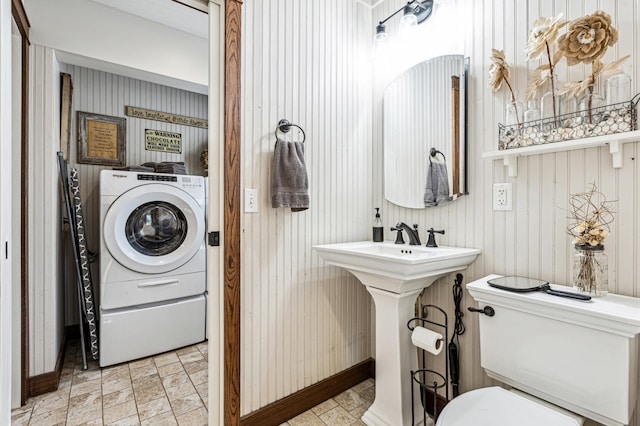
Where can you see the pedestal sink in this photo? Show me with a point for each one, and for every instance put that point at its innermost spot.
(394, 275)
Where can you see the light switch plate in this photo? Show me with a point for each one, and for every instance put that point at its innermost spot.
(250, 200)
(502, 196)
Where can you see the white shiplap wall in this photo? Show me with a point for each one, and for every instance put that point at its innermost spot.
(530, 240)
(303, 321)
(46, 303)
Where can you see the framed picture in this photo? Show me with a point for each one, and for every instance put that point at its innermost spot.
(101, 139)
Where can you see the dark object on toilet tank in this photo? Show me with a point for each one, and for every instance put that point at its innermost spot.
(526, 285)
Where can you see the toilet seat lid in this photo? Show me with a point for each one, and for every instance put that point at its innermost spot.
(496, 406)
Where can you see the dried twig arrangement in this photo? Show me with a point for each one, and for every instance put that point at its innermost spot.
(589, 217)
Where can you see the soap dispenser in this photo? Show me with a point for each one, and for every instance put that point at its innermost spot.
(378, 236)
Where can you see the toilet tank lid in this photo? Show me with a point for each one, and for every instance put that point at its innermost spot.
(614, 313)
(495, 406)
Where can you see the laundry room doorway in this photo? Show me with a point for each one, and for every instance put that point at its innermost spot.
(174, 57)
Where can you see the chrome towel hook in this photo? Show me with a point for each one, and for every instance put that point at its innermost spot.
(285, 126)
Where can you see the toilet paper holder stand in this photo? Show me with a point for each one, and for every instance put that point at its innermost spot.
(423, 376)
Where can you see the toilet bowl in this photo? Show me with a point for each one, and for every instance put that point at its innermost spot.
(495, 406)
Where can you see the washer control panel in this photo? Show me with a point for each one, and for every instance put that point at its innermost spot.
(160, 178)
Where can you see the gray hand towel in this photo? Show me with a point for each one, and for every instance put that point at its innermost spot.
(436, 191)
(289, 182)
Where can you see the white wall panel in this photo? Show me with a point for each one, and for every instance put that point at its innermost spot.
(302, 320)
(531, 239)
(45, 294)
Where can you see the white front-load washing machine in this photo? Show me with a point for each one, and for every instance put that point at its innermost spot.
(152, 263)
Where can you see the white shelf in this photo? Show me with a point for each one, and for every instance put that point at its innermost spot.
(615, 141)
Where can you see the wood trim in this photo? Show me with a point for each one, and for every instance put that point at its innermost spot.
(20, 16)
(48, 382)
(455, 134)
(24, 226)
(231, 340)
(288, 407)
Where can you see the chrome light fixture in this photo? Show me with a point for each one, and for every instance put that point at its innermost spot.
(414, 12)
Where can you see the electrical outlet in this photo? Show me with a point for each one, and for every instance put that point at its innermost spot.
(250, 200)
(502, 196)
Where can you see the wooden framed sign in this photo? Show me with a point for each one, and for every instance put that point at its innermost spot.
(160, 140)
(101, 139)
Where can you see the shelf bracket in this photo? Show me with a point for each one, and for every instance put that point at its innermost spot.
(511, 161)
(616, 149)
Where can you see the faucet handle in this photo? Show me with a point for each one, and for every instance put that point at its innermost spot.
(399, 239)
(432, 238)
(415, 226)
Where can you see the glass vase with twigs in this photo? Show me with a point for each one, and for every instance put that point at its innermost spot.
(589, 217)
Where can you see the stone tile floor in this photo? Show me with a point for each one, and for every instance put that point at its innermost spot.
(344, 409)
(166, 389)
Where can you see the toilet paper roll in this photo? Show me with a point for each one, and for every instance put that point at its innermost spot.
(428, 340)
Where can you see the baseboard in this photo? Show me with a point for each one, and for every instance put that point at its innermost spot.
(48, 382)
(288, 407)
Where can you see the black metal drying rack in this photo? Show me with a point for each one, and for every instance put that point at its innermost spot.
(422, 376)
(71, 221)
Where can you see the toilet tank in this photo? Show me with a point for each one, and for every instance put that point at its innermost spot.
(582, 356)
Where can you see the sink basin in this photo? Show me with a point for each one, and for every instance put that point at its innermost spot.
(396, 267)
(394, 275)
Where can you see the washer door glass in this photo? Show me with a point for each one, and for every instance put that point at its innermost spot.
(156, 228)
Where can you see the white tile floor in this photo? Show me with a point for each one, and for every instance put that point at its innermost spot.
(167, 389)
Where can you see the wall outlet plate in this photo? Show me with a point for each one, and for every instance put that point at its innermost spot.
(502, 196)
(250, 200)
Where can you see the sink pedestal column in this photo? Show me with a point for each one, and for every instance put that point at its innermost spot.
(396, 357)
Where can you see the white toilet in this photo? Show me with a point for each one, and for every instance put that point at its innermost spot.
(564, 358)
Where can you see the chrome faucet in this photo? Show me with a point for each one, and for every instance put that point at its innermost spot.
(414, 237)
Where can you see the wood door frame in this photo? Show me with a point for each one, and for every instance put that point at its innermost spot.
(20, 16)
(231, 208)
(231, 351)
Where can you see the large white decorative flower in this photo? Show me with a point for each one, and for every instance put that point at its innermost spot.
(543, 33)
